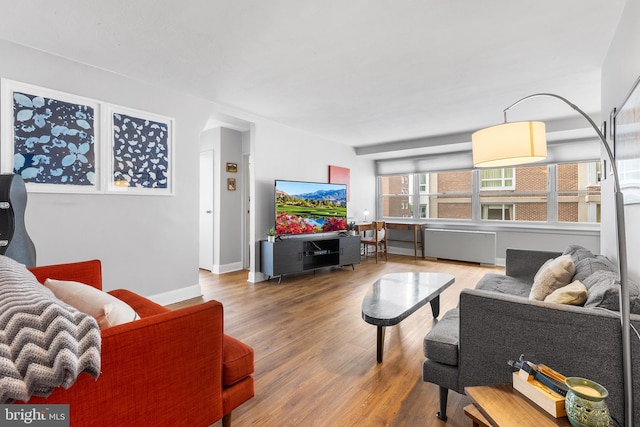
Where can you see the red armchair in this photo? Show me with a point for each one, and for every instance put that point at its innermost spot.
(170, 368)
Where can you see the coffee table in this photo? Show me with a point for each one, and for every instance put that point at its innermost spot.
(395, 296)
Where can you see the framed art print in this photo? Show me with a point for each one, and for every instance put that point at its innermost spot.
(231, 184)
(141, 152)
(627, 145)
(50, 138)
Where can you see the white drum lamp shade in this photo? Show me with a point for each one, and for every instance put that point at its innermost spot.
(509, 144)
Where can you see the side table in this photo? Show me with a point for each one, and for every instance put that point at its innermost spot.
(502, 405)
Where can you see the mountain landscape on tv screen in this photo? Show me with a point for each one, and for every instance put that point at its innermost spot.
(318, 211)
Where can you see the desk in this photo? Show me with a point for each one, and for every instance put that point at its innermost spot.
(417, 231)
(501, 405)
(415, 226)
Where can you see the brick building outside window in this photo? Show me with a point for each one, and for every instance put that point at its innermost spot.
(540, 193)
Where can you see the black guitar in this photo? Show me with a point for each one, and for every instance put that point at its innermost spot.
(14, 239)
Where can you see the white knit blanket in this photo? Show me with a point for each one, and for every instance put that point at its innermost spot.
(44, 343)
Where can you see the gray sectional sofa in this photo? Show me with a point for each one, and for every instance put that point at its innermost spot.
(496, 322)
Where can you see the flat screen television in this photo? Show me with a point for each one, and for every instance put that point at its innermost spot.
(310, 207)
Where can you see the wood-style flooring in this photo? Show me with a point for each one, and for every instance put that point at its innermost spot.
(315, 358)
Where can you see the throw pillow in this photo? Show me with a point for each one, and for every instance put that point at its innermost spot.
(604, 292)
(586, 267)
(553, 274)
(578, 253)
(575, 293)
(106, 309)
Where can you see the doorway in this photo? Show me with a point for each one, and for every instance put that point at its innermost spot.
(206, 210)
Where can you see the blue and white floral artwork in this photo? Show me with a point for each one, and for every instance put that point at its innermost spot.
(140, 152)
(53, 140)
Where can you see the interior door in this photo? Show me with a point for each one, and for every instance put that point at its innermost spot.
(246, 262)
(206, 210)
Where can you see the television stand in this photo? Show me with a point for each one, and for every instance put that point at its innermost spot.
(299, 254)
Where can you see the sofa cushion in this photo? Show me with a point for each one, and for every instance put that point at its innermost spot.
(575, 293)
(577, 253)
(603, 290)
(441, 343)
(504, 285)
(237, 360)
(587, 266)
(106, 309)
(554, 274)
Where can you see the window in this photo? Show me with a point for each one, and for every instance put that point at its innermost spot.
(397, 196)
(537, 193)
(497, 178)
(436, 195)
(578, 192)
(524, 189)
(497, 212)
(423, 179)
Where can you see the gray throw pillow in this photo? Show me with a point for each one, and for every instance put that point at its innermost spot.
(587, 266)
(577, 253)
(603, 290)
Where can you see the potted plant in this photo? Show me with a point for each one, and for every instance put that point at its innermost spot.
(353, 229)
(271, 235)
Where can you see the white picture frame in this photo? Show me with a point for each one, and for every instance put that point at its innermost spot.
(50, 138)
(141, 152)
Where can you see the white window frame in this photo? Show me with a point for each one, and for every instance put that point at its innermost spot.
(502, 180)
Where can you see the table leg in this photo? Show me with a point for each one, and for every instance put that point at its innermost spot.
(380, 343)
(415, 243)
(435, 306)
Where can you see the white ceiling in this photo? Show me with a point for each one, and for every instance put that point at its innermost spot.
(359, 72)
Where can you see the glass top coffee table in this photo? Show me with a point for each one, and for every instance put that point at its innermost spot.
(395, 296)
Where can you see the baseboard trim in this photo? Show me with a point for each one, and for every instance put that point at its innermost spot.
(226, 268)
(177, 295)
(256, 276)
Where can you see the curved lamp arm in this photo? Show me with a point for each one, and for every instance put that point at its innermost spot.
(622, 260)
(603, 140)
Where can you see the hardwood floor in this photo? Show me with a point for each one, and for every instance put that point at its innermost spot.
(315, 358)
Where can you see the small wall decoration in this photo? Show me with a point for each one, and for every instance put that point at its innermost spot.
(50, 138)
(141, 152)
(338, 175)
(232, 167)
(231, 184)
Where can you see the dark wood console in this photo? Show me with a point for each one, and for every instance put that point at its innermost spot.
(294, 255)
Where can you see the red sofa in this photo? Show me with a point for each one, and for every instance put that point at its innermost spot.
(170, 368)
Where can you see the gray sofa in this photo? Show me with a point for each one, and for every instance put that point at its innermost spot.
(496, 322)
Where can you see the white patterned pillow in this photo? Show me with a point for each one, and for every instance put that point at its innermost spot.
(553, 274)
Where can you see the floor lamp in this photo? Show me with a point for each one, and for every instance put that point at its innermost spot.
(516, 143)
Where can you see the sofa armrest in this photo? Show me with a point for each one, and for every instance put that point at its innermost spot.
(154, 369)
(87, 272)
(524, 264)
(575, 341)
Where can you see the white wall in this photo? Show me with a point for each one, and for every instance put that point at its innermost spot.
(148, 244)
(620, 70)
(279, 152)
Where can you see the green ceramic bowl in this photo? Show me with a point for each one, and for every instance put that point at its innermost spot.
(586, 389)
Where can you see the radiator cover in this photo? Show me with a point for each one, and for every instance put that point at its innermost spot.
(460, 245)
